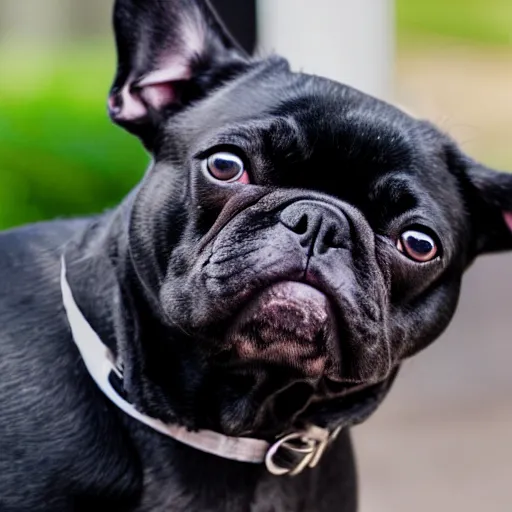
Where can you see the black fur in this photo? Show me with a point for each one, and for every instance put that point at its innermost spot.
(182, 280)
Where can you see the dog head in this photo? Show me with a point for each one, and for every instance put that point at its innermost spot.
(294, 239)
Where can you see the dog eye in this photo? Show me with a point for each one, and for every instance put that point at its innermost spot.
(417, 245)
(225, 167)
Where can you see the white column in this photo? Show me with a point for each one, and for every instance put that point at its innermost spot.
(351, 41)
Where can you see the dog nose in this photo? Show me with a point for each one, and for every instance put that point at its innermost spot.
(319, 226)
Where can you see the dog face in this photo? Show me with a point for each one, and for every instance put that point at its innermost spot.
(297, 238)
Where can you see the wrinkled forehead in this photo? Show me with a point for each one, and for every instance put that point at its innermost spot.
(308, 122)
(270, 100)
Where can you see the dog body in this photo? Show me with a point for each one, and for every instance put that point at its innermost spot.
(65, 447)
(291, 243)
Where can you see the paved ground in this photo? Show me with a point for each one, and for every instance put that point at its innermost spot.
(443, 439)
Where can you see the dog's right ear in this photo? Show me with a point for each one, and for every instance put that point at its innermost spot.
(170, 53)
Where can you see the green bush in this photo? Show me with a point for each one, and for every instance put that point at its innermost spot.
(59, 153)
(477, 21)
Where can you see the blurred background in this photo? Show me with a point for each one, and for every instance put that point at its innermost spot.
(442, 440)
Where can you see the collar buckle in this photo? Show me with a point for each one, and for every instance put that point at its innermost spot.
(297, 451)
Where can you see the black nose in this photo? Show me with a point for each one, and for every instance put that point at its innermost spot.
(319, 226)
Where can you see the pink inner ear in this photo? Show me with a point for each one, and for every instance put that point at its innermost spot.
(126, 107)
(170, 70)
(508, 219)
(158, 95)
(155, 90)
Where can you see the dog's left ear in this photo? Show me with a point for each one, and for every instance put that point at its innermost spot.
(490, 205)
(170, 53)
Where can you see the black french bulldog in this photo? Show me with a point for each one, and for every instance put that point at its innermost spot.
(291, 243)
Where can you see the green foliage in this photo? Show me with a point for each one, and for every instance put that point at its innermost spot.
(59, 153)
(480, 21)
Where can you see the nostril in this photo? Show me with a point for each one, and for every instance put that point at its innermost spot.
(333, 237)
(317, 225)
(296, 221)
(301, 227)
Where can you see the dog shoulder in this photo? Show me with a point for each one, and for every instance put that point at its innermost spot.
(54, 420)
(30, 303)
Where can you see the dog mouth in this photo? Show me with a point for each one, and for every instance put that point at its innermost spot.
(289, 324)
(285, 354)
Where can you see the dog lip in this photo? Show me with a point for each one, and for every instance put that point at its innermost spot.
(287, 323)
(305, 288)
(294, 293)
(310, 279)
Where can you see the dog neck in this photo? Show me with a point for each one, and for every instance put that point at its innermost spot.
(106, 372)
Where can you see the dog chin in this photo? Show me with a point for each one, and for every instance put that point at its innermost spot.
(289, 324)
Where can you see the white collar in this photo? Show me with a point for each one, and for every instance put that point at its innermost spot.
(100, 363)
